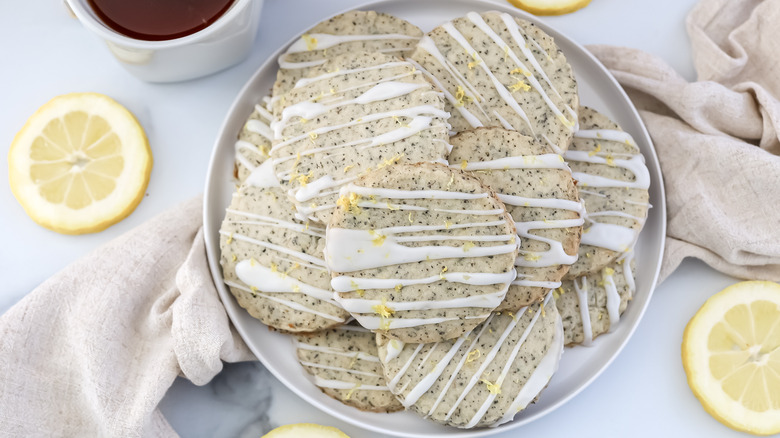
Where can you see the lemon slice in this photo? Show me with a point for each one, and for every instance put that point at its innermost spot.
(731, 354)
(305, 430)
(549, 7)
(80, 164)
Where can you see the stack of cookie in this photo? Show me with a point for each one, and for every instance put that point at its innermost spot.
(432, 217)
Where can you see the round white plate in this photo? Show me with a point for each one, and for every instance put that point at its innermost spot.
(579, 366)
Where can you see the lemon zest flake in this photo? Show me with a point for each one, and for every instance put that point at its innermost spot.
(519, 85)
(351, 391)
(494, 388)
(532, 257)
(475, 62)
(311, 42)
(461, 98)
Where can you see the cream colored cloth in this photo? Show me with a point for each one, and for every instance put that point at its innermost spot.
(717, 139)
(93, 350)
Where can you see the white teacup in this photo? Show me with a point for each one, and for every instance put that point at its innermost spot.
(220, 45)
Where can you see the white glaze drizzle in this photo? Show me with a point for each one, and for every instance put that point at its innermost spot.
(376, 322)
(635, 165)
(260, 127)
(613, 298)
(355, 250)
(500, 88)
(626, 259)
(326, 40)
(507, 366)
(489, 301)
(263, 176)
(340, 384)
(393, 349)
(421, 118)
(267, 280)
(339, 352)
(539, 378)
(426, 382)
(610, 236)
(513, 30)
(291, 304)
(460, 364)
(582, 297)
(613, 237)
(543, 161)
(345, 283)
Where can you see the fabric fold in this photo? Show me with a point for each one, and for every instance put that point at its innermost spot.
(92, 351)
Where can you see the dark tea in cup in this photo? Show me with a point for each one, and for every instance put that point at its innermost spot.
(158, 20)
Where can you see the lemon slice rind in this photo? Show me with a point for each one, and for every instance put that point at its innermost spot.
(305, 430)
(550, 7)
(696, 355)
(129, 185)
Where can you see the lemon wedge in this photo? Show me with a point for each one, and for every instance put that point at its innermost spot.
(305, 430)
(80, 164)
(731, 354)
(549, 7)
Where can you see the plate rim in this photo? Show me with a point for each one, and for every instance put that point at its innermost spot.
(212, 248)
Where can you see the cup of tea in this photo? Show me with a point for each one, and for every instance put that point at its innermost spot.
(173, 40)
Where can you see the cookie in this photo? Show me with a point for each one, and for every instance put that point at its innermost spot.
(421, 252)
(591, 305)
(482, 378)
(539, 192)
(272, 264)
(254, 141)
(344, 364)
(613, 182)
(356, 113)
(498, 70)
(351, 32)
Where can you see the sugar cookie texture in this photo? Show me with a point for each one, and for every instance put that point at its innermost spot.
(591, 305)
(485, 376)
(613, 182)
(498, 70)
(272, 264)
(254, 141)
(354, 114)
(537, 187)
(344, 364)
(351, 32)
(420, 253)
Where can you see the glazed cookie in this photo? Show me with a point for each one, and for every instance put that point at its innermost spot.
(613, 182)
(420, 253)
(344, 364)
(539, 192)
(351, 32)
(355, 113)
(591, 305)
(254, 141)
(498, 70)
(272, 264)
(482, 378)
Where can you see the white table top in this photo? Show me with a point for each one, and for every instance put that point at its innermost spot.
(46, 53)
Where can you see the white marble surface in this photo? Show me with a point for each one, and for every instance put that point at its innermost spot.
(46, 53)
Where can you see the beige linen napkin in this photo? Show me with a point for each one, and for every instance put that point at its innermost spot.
(717, 139)
(92, 351)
